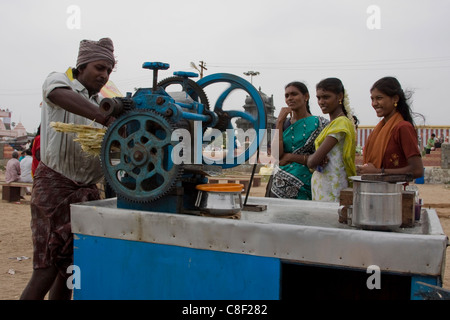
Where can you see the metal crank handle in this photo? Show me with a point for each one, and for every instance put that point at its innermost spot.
(155, 66)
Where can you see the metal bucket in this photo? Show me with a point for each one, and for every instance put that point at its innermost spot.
(219, 199)
(376, 205)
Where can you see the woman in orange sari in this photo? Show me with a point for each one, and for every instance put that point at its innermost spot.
(392, 147)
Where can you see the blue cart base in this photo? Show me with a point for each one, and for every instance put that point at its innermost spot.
(294, 250)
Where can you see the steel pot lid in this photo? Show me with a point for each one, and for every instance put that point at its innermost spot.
(383, 177)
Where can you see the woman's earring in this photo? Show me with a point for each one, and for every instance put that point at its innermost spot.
(395, 104)
(340, 101)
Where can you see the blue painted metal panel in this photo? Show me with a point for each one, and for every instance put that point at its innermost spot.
(416, 288)
(122, 269)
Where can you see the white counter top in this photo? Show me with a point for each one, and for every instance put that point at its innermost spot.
(295, 230)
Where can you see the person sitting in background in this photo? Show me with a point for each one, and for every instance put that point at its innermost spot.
(430, 144)
(25, 167)
(12, 173)
(438, 143)
(22, 155)
(25, 172)
(392, 147)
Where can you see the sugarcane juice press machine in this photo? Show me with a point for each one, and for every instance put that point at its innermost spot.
(170, 235)
(152, 154)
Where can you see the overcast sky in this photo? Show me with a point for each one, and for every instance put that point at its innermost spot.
(357, 41)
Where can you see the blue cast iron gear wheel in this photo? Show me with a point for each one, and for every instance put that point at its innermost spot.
(136, 156)
(193, 89)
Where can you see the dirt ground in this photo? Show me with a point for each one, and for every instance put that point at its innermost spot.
(16, 247)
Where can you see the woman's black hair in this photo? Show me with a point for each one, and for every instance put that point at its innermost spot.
(334, 85)
(302, 88)
(391, 87)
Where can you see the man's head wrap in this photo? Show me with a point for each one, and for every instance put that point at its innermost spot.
(90, 51)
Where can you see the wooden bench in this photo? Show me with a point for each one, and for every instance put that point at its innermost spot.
(11, 191)
(256, 179)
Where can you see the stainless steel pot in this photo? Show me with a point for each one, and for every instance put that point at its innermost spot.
(219, 199)
(376, 205)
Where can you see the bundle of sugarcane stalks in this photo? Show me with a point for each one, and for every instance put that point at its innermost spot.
(89, 137)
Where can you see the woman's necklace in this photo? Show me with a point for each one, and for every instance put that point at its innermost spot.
(340, 114)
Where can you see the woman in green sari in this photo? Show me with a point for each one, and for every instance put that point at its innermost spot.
(292, 178)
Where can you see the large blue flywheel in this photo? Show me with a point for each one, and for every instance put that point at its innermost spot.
(227, 117)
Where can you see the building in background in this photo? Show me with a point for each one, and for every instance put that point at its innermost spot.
(6, 127)
(12, 137)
